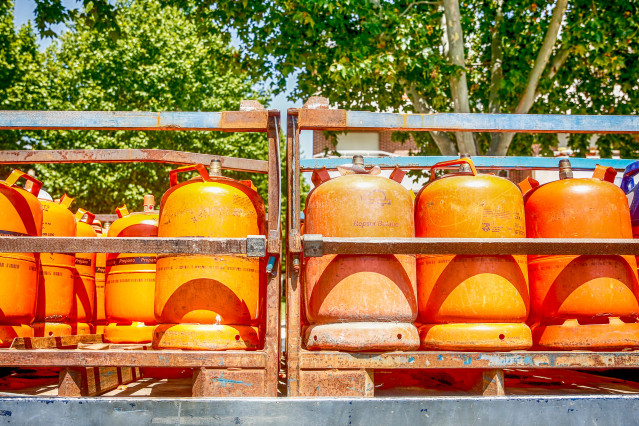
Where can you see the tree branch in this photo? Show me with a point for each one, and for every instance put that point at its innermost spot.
(458, 83)
(415, 3)
(442, 140)
(543, 56)
(496, 69)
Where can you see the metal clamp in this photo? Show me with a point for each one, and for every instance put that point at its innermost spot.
(313, 245)
(255, 246)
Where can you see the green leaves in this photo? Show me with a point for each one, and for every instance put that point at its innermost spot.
(160, 63)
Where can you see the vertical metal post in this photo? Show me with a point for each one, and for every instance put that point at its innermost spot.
(272, 332)
(293, 298)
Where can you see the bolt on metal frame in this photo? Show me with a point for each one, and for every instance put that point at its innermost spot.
(305, 367)
(261, 365)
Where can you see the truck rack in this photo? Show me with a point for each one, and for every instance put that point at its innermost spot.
(351, 374)
(87, 369)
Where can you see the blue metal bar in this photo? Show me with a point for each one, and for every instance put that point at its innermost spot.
(533, 123)
(130, 120)
(495, 163)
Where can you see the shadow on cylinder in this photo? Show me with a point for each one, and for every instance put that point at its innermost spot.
(22, 216)
(581, 302)
(130, 280)
(205, 302)
(83, 278)
(360, 302)
(55, 286)
(471, 302)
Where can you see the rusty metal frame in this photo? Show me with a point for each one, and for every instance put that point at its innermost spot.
(251, 117)
(162, 156)
(315, 115)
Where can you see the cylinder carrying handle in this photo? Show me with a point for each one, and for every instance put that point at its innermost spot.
(456, 162)
(604, 173)
(173, 174)
(627, 183)
(80, 214)
(16, 174)
(122, 211)
(527, 185)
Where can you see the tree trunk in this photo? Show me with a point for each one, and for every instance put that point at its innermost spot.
(442, 140)
(543, 56)
(458, 83)
(496, 68)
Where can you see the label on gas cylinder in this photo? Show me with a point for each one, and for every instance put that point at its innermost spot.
(83, 262)
(4, 233)
(207, 268)
(502, 222)
(138, 260)
(29, 266)
(100, 270)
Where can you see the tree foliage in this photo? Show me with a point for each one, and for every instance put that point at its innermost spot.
(21, 77)
(159, 62)
(577, 56)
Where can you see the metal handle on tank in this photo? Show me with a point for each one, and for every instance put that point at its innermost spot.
(80, 214)
(16, 174)
(173, 174)
(455, 162)
(627, 183)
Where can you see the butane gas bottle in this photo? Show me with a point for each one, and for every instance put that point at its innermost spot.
(55, 287)
(471, 302)
(203, 301)
(84, 278)
(21, 216)
(130, 280)
(581, 302)
(360, 302)
(99, 315)
(629, 187)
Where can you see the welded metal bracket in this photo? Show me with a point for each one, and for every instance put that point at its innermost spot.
(255, 246)
(313, 245)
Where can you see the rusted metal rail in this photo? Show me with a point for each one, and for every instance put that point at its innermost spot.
(317, 246)
(477, 360)
(253, 246)
(161, 156)
(327, 373)
(218, 373)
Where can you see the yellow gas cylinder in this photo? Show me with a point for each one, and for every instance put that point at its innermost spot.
(203, 301)
(360, 302)
(471, 302)
(22, 216)
(99, 316)
(130, 280)
(55, 287)
(84, 278)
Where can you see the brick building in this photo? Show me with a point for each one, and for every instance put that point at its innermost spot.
(363, 142)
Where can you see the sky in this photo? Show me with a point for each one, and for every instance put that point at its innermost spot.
(24, 13)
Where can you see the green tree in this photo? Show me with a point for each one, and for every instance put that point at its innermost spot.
(21, 77)
(159, 62)
(524, 56)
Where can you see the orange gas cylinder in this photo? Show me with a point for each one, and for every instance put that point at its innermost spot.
(203, 301)
(55, 286)
(22, 216)
(84, 276)
(360, 302)
(581, 302)
(130, 280)
(99, 316)
(471, 302)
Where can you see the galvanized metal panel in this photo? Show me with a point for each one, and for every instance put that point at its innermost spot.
(121, 120)
(455, 411)
(530, 123)
(484, 163)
